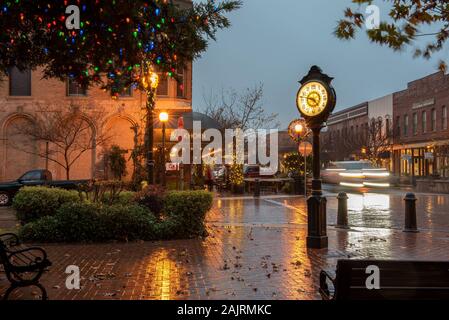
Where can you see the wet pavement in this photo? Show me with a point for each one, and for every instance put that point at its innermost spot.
(256, 250)
(369, 210)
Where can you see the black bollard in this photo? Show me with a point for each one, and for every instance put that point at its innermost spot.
(257, 188)
(410, 213)
(342, 216)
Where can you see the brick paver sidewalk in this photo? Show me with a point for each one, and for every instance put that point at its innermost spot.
(265, 258)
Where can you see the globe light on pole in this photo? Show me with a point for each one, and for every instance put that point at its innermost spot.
(299, 128)
(163, 117)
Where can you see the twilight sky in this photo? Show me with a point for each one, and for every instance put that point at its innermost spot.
(276, 42)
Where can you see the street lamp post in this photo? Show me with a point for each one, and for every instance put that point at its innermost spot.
(163, 117)
(149, 81)
(298, 132)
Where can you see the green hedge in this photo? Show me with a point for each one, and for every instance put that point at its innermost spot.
(188, 209)
(32, 203)
(89, 222)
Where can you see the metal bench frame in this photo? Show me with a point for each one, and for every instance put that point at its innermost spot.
(23, 266)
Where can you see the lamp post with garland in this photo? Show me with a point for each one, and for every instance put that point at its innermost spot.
(149, 82)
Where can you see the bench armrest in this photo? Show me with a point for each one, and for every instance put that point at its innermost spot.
(38, 255)
(9, 239)
(324, 288)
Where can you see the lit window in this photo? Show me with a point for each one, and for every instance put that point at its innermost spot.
(19, 82)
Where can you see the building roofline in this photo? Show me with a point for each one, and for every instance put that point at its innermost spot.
(358, 106)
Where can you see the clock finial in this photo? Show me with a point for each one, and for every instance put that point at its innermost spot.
(315, 72)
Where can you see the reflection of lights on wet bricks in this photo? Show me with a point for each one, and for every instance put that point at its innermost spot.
(375, 184)
(352, 185)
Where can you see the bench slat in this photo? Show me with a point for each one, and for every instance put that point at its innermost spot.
(398, 280)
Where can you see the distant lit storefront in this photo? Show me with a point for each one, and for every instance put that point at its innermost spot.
(421, 161)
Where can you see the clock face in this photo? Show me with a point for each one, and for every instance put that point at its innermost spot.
(312, 98)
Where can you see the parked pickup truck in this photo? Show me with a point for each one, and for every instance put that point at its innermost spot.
(38, 177)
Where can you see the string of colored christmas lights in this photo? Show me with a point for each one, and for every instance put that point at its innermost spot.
(113, 40)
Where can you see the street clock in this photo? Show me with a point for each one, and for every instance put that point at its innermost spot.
(316, 97)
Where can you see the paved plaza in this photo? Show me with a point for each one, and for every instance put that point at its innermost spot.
(256, 250)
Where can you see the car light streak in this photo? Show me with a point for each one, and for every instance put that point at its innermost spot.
(352, 185)
(375, 184)
(376, 174)
(351, 175)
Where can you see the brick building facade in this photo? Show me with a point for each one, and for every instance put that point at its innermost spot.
(22, 96)
(342, 128)
(421, 139)
(415, 121)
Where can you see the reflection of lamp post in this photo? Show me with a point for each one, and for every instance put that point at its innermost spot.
(149, 82)
(163, 117)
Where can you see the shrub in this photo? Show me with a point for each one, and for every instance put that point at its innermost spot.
(44, 229)
(92, 222)
(152, 197)
(128, 223)
(32, 203)
(188, 210)
(80, 222)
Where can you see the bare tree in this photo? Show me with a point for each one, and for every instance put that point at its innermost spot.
(232, 109)
(67, 131)
(378, 140)
(371, 141)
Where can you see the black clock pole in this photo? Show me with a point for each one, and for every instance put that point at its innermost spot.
(316, 203)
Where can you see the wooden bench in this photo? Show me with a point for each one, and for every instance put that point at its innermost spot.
(23, 266)
(399, 280)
